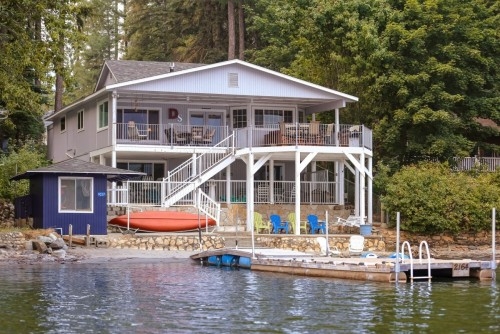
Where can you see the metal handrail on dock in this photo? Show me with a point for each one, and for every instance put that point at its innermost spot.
(422, 243)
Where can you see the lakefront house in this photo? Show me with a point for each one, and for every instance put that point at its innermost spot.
(210, 135)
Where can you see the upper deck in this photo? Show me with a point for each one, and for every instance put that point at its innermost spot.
(283, 134)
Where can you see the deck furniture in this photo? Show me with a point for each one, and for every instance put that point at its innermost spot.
(356, 244)
(197, 134)
(208, 137)
(315, 225)
(302, 224)
(262, 194)
(134, 133)
(181, 138)
(279, 226)
(260, 224)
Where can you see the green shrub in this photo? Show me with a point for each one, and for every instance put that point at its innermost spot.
(24, 159)
(431, 198)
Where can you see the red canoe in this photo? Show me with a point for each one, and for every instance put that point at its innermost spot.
(162, 221)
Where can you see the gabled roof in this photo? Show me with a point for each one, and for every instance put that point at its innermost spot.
(128, 70)
(81, 168)
(347, 97)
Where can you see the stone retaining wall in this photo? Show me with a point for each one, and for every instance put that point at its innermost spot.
(312, 244)
(14, 240)
(161, 242)
(385, 241)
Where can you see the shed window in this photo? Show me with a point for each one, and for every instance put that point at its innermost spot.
(75, 194)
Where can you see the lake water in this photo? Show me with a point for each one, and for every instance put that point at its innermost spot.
(180, 296)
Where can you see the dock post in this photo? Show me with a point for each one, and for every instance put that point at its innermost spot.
(326, 231)
(87, 241)
(70, 232)
(493, 237)
(397, 269)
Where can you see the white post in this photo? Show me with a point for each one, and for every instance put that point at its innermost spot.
(397, 247)
(326, 234)
(297, 192)
(370, 191)
(493, 237)
(114, 104)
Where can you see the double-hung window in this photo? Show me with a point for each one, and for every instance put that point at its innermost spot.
(103, 115)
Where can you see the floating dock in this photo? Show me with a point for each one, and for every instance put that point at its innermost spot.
(358, 268)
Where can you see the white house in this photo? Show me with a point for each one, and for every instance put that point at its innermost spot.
(237, 131)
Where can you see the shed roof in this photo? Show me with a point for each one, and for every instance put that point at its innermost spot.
(80, 167)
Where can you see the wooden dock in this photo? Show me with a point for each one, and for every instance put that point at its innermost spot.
(358, 268)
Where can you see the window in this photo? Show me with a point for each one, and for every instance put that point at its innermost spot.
(156, 170)
(80, 120)
(103, 115)
(63, 124)
(75, 194)
(239, 118)
(265, 117)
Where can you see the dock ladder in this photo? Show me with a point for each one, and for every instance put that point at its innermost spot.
(422, 243)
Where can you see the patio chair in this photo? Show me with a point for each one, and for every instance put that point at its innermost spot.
(287, 196)
(291, 219)
(136, 134)
(356, 244)
(314, 134)
(180, 138)
(197, 134)
(208, 137)
(259, 223)
(329, 139)
(262, 194)
(315, 225)
(279, 225)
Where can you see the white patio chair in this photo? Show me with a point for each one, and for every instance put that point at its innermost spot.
(356, 244)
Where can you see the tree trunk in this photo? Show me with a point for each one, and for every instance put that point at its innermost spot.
(58, 101)
(241, 31)
(231, 30)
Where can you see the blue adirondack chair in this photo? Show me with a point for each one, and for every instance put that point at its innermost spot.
(278, 224)
(315, 225)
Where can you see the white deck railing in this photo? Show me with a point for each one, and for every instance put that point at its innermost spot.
(286, 134)
(148, 193)
(489, 164)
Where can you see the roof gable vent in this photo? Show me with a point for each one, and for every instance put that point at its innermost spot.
(232, 80)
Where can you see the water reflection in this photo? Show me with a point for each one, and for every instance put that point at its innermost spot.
(181, 297)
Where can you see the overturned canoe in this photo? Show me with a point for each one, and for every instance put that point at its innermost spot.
(162, 221)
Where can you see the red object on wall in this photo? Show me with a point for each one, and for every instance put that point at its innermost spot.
(173, 113)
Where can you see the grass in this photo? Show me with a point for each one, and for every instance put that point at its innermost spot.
(28, 232)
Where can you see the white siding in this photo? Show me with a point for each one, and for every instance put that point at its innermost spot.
(215, 81)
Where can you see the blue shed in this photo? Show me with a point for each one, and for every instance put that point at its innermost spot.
(70, 192)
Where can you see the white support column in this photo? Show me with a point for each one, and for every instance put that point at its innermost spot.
(228, 184)
(341, 182)
(362, 187)
(357, 187)
(250, 192)
(297, 193)
(193, 165)
(271, 180)
(370, 191)
(314, 177)
(337, 127)
(339, 197)
(114, 103)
